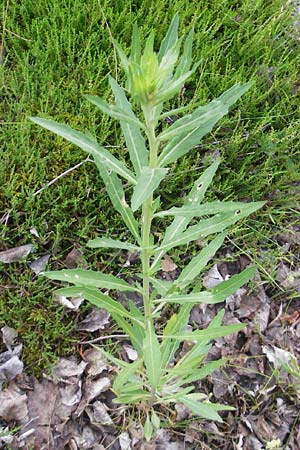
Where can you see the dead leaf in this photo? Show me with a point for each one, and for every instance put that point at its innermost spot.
(167, 264)
(212, 278)
(98, 414)
(96, 362)
(130, 352)
(73, 259)
(125, 441)
(15, 254)
(13, 405)
(70, 303)
(10, 369)
(38, 265)
(8, 336)
(69, 368)
(95, 320)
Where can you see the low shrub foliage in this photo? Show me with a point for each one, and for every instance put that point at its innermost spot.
(156, 377)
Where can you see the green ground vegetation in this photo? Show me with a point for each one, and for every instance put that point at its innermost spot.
(54, 52)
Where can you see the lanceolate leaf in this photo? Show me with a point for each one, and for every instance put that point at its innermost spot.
(201, 116)
(170, 38)
(186, 59)
(82, 277)
(131, 330)
(117, 196)
(111, 243)
(152, 356)
(182, 144)
(98, 299)
(218, 294)
(87, 144)
(202, 409)
(195, 197)
(196, 125)
(133, 137)
(177, 323)
(199, 262)
(202, 210)
(135, 54)
(114, 111)
(147, 183)
(207, 334)
(125, 374)
(190, 376)
(215, 224)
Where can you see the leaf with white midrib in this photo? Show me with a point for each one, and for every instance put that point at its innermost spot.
(87, 144)
(90, 278)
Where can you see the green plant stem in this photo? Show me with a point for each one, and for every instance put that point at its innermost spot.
(147, 214)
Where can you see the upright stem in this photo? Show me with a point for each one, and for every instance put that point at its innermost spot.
(147, 214)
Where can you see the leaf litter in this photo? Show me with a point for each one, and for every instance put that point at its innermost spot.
(71, 407)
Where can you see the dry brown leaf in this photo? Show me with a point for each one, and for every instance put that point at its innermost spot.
(38, 265)
(13, 405)
(73, 259)
(167, 264)
(16, 253)
(95, 320)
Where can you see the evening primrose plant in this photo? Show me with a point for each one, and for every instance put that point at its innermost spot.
(157, 378)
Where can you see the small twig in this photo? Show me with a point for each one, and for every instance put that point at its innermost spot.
(61, 175)
(103, 338)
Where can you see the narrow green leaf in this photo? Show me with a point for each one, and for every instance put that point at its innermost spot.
(161, 286)
(170, 38)
(114, 111)
(186, 59)
(125, 374)
(135, 53)
(182, 144)
(152, 357)
(148, 429)
(123, 58)
(172, 88)
(146, 184)
(111, 243)
(87, 144)
(176, 324)
(210, 333)
(82, 277)
(213, 225)
(133, 137)
(191, 376)
(98, 299)
(186, 132)
(206, 209)
(117, 196)
(201, 409)
(203, 372)
(199, 262)
(217, 295)
(132, 398)
(198, 118)
(133, 331)
(194, 197)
